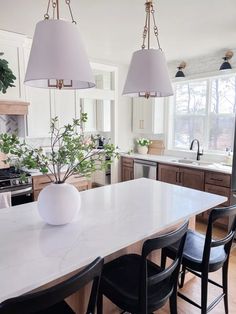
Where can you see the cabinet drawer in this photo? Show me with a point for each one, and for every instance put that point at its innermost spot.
(219, 190)
(220, 179)
(129, 162)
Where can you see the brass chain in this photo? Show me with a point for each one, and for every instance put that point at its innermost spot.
(46, 15)
(146, 31)
(71, 14)
(156, 31)
(54, 5)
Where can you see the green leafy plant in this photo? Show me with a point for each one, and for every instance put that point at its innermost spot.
(143, 142)
(70, 152)
(7, 77)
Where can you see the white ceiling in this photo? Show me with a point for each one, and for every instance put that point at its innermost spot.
(112, 29)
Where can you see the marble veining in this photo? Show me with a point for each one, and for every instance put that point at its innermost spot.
(111, 218)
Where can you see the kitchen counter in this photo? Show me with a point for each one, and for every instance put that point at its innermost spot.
(111, 218)
(173, 160)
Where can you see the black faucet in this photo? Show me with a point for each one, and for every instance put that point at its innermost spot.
(198, 148)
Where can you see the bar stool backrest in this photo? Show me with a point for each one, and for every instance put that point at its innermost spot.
(39, 301)
(169, 273)
(226, 241)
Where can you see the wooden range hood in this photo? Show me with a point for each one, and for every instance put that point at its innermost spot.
(12, 107)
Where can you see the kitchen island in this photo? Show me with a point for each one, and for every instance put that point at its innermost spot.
(112, 218)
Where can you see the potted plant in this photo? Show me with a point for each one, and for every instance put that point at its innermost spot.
(143, 144)
(71, 152)
(7, 77)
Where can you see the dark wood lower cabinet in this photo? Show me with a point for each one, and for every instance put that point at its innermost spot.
(209, 181)
(186, 177)
(168, 174)
(193, 179)
(127, 169)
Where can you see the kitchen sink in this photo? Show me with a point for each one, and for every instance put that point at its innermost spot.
(193, 162)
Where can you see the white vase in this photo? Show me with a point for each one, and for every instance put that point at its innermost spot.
(58, 203)
(142, 150)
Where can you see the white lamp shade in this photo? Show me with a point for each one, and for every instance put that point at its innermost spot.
(57, 53)
(148, 73)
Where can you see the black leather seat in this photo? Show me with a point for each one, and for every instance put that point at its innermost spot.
(121, 282)
(137, 285)
(51, 300)
(193, 252)
(204, 254)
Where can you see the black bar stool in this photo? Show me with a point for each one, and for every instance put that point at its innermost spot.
(51, 300)
(203, 255)
(137, 285)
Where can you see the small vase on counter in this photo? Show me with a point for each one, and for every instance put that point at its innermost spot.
(143, 150)
(143, 144)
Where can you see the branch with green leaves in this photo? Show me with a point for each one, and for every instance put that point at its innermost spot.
(71, 152)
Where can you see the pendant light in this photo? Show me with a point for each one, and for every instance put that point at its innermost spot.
(58, 58)
(180, 73)
(148, 73)
(226, 65)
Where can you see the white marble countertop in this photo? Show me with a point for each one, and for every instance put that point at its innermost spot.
(111, 218)
(173, 160)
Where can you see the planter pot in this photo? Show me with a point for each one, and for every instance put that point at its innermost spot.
(142, 150)
(58, 203)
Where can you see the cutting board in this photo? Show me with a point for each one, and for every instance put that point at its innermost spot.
(156, 148)
(3, 165)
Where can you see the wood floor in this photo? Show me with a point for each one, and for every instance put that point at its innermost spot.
(193, 288)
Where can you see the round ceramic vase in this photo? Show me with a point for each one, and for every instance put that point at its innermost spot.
(58, 203)
(142, 150)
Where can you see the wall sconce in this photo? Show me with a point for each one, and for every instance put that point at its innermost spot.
(180, 68)
(226, 65)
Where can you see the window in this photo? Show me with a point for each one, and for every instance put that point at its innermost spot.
(204, 109)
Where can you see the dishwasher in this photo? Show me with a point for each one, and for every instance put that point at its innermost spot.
(145, 169)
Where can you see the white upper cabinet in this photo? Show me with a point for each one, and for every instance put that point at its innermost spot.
(148, 115)
(38, 118)
(104, 115)
(64, 106)
(12, 46)
(88, 106)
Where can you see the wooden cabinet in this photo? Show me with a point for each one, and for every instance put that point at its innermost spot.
(148, 115)
(41, 181)
(127, 169)
(168, 174)
(186, 177)
(208, 181)
(218, 183)
(192, 178)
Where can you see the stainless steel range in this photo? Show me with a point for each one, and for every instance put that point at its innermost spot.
(19, 183)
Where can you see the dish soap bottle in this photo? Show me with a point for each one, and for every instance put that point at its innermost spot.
(228, 158)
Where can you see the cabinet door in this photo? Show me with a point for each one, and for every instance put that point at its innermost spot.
(192, 178)
(64, 103)
(12, 47)
(127, 173)
(142, 115)
(148, 115)
(39, 116)
(89, 107)
(104, 115)
(168, 174)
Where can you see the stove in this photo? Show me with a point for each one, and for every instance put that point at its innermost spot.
(18, 182)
